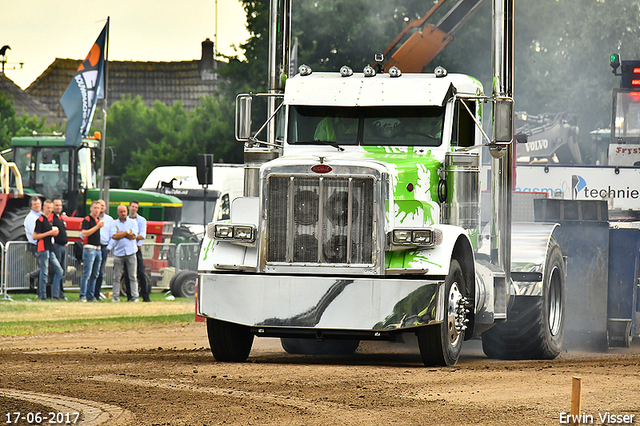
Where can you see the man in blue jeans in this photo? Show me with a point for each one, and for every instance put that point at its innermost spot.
(105, 236)
(91, 252)
(59, 241)
(124, 248)
(43, 234)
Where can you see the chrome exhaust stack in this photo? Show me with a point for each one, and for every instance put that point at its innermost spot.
(256, 153)
(501, 147)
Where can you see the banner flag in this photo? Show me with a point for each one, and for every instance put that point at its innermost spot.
(86, 87)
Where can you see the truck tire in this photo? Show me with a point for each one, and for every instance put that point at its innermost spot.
(229, 342)
(535, 324)
(12, 225)
(184, 284)
(440, 344)
(313, 347)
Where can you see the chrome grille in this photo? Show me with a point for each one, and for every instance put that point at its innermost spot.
(324, 220)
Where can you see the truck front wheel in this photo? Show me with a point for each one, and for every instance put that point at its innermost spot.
(535, 324)
(229, 342)
(440, 344)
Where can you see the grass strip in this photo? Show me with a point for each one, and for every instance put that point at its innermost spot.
(22, 328)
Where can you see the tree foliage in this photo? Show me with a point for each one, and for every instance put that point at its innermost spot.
(12, 125)
(561, 47)
(562, 56)
(140, 138)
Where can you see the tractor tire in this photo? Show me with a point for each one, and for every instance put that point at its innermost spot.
(12, 225)
(440, 344)
(313, 347)
(229, 342)
(184, 284)
(535, 324)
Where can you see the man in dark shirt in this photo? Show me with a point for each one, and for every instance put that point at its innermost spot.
(60, 241)
(91, 252)
(43, 235)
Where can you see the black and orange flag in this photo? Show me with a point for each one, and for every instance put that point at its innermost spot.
(86, 87)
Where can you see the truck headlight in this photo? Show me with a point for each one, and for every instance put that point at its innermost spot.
(223, 231)
(421, 237)
(231, 232)
(416, 237)
(401, 236)
(243, 232)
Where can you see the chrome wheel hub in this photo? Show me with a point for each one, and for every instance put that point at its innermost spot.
(456, 314)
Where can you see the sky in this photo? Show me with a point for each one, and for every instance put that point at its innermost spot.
(38, 31)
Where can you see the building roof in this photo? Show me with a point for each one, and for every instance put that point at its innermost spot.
(23, 103)
(167, 82)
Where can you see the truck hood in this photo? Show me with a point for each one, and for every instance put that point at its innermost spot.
(414, 174)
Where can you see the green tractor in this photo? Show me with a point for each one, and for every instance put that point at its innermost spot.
(44, 166)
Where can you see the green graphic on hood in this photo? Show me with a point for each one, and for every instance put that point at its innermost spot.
(414, 207)
(415, 179)
(207, 249)
(409, 259)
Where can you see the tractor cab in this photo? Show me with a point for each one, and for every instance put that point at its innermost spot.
(55, 170)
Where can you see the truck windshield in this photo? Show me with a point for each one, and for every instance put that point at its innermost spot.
(397, 126)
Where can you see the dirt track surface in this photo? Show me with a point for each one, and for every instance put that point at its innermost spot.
(167, 376)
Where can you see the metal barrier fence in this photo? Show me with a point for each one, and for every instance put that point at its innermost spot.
(18, 264)
(187, 256)
(162, 261)
(3, 288)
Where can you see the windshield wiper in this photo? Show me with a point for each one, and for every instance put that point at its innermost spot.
(331, 143)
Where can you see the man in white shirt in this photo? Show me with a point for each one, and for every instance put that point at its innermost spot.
(29, 226)
(30, 220)
(123, 246)
(142, 234)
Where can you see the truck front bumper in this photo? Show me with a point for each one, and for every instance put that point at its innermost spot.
(320, 302)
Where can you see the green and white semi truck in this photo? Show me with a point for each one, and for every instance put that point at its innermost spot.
(360, 219)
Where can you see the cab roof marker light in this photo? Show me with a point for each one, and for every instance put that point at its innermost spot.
(440, 72)
(394, 72)
(345, 71)
(369, 71)
(304, 70)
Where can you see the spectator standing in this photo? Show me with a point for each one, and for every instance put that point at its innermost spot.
(123, 246)
(43, 234)
(91, 253)
(60, 241)
(29, 226)
(105, 236)
(142, 234)
(30, 221)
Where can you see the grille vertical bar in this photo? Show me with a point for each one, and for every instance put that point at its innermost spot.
(320, 220)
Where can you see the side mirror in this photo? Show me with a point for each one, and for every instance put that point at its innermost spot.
(243, 117)
(503, 121)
